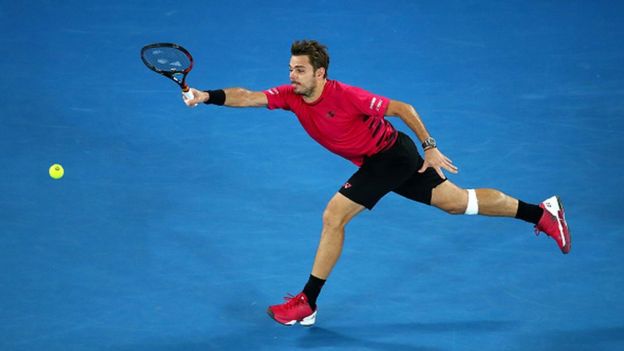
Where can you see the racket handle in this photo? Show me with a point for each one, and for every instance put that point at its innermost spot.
(188, 94)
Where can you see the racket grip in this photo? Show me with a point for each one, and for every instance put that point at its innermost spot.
(188, 94)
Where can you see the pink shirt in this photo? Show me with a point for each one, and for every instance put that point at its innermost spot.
(346, 120)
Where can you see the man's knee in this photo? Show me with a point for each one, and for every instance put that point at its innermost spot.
(339, 212)
(450, 198)
(333, 218)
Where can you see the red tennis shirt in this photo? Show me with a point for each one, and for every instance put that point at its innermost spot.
(346, 120)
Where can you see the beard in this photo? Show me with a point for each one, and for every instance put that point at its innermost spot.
(301, 90)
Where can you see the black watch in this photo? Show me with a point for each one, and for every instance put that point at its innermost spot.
(429, 143)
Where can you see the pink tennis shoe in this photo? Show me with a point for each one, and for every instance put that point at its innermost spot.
(553, 223)
(295, 309)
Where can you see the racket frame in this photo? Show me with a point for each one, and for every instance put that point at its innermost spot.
(179, 77)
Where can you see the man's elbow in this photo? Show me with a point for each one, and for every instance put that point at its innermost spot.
(399, 109)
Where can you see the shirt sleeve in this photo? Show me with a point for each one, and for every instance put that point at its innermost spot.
(368, 103)
(278, 97)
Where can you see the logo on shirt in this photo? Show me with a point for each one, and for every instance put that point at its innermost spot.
(330, 114)
(379, 103)
(273, 91)
(347, 185)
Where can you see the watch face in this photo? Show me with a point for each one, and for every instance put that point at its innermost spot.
(429, 143)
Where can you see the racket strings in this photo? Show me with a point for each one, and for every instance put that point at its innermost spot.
(167, 59)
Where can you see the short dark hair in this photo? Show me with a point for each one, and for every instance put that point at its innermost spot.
(316, 52)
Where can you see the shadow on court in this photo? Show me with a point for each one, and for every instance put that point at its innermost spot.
(325, 338)
(383, 337)
(421, 334)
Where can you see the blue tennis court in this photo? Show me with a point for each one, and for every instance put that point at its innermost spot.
(174, 228)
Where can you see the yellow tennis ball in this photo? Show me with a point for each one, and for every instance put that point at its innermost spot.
(56, 171)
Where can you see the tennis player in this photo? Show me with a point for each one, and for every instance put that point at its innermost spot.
(350, 122)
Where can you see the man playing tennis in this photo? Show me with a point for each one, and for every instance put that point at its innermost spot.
(350, 122)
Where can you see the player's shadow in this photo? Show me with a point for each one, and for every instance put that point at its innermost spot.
(359, 337)
(322, 338)
(405, 337)
(319, 337)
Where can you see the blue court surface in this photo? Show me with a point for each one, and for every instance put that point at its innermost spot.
(174, 228)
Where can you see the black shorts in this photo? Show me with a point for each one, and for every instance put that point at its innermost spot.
(396, 170)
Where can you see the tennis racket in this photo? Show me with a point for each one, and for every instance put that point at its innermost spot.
(170, 60)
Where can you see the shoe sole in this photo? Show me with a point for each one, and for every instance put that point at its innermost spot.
(306, 322)
(566, 231)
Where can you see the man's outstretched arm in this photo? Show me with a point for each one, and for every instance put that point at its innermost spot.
(232, 97)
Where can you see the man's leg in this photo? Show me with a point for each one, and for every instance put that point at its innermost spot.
(378, 175)
(339, 211)
(302, 307)
(548, 217)
(454, 200)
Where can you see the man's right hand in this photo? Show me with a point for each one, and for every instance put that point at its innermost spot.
(198, 98)
(436, 160)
